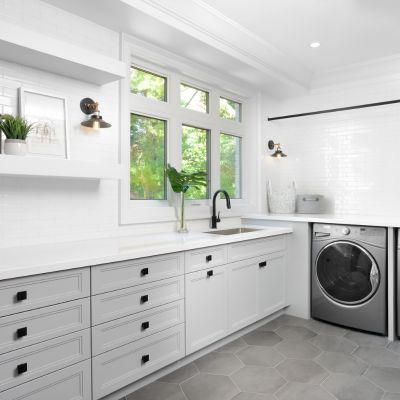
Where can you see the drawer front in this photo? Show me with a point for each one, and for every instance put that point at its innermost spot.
(208, 257)
(254, 248)
(124, 365)
(120, 303)
(125, 330)
(23, 365)
(31, 327)
(71, 383)
(22, 294)
(124, 274)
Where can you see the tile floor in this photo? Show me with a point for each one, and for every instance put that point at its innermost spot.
(288, 359)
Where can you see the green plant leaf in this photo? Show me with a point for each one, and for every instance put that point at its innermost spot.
(182, 181)
(15, 127)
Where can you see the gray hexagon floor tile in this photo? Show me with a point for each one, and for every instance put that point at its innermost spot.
(258, 379)
(218, 363)
(366, 339)
(387, 378)
(394, 346)
(302, 391)
(210, 387)
(253, 396)
(391, 396)
(297, 349)
(345, 387)
(295, 332)
(181, 374)
(259, 355)
(158, 391)
(342, 363)
(304, 371)
(333, 343)
(325, 329)
(262, 338)
(232, 347)
(378, 356)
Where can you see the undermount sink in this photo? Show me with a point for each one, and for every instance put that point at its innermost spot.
(233, 231)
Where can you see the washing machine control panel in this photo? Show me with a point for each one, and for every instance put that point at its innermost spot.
(346, 231)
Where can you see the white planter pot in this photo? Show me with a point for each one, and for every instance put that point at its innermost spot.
(15, 147)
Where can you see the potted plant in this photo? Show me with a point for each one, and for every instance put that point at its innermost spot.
(181, 182)
(16, 130)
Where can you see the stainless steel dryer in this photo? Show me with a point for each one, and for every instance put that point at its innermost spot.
(349, 276)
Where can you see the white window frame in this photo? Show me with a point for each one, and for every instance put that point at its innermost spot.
(148, 211)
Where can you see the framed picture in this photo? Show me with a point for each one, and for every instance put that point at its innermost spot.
(48, 112)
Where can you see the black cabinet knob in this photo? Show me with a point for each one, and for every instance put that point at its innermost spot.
(144, 299)
(21, 332)
(262, 264)
(22, 295)
(210, 273)
(21, 368)
(145, 325)
(208, 258)
(145, 359)
(144, 271)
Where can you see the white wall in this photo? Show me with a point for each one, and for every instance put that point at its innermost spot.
(351, 157)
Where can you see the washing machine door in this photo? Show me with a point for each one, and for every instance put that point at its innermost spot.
(347, 273)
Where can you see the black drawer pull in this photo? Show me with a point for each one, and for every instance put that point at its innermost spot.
(21, 368)
(22, 295)
(145, 325)
(145, 359)
(209, 258)
(262, 264)
(21, 332)
(210, 273)
(144, 271)
(144, 299)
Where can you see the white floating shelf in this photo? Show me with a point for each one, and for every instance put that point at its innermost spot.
(57, 168)
(26, 47)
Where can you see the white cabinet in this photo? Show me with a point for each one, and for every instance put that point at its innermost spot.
(206, 307)
(272, 284)
(243, 294)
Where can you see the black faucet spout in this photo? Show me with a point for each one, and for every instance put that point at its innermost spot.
(215, 219)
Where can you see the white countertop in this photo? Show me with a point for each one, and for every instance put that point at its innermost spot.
(368, 220)
(30, 260)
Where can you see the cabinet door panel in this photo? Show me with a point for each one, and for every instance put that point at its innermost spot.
(206, 307)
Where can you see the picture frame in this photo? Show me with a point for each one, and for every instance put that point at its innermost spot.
(48, 113)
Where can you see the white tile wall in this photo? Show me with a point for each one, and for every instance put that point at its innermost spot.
(351, 157)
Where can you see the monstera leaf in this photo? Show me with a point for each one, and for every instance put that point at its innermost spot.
(182, 181)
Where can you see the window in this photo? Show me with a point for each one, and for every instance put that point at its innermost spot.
(230, 148)
(147, 84)
(195, 157)
(148, 158)
(229, 109)
(194, 99)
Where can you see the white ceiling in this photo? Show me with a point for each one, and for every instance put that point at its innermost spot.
(262, 42)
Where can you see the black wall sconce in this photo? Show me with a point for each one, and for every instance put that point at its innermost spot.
(278, 153)
(90, 107)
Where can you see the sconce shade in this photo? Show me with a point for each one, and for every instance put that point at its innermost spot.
(278, 153)
(90, 107)
(96, 122)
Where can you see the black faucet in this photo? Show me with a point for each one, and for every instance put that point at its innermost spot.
(215, 218)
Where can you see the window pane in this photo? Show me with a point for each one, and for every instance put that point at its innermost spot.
(230, 165)
(195, 145)
(146, 84)
(229, 109)
(194, 99)
(148, 136)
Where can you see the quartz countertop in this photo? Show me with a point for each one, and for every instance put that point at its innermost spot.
(30, 260)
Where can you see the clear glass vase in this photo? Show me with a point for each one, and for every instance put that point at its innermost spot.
(182, 223)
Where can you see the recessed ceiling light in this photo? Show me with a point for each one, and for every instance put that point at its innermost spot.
(315, 45)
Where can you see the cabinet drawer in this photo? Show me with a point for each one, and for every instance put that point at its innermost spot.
(117, 304)
(124, 365)
(124, 274)
(208, 257)
(32, 292)
(71, 383)
(256, 247)
(30, 327)
(125, 330)
(23, 365)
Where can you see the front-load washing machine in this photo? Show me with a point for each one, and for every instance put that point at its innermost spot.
(349, 276)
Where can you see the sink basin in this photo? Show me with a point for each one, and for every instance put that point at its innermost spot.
(233, 231)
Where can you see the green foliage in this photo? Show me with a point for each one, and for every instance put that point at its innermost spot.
(229, 109)
(182, 181)
(230, 168)
(146, 84)
(15, 127)
(194, 99)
